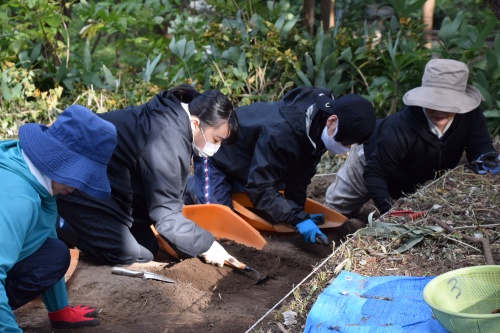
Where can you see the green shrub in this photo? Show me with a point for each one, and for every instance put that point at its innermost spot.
(107, 55)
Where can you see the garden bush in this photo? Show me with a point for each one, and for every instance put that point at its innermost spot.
(108, 55)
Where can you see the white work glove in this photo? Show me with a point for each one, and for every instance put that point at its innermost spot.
(216, 255)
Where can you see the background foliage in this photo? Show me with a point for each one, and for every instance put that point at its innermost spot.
(107, 55)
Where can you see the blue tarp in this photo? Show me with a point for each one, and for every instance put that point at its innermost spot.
(385, 304)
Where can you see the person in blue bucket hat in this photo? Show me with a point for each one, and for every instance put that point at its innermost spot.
(46, 161)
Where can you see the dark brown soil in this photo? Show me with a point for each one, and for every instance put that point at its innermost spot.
(204, 299)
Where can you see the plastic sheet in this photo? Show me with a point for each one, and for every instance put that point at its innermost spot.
(386, 304)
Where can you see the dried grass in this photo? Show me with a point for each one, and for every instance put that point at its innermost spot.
(467, 202)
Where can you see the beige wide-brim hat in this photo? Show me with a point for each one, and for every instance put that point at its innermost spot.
(444, 88)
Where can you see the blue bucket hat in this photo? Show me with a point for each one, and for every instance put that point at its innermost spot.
(74, 150)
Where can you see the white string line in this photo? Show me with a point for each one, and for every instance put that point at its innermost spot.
(325, 174)
(298, 285)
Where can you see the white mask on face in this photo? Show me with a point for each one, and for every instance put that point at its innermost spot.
(331, 144)
(209, 149)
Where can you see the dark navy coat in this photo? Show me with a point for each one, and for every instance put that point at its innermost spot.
(273, 148)
(403, 153)
(148, 172)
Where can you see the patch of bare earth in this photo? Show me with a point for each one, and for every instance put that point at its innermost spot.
(204, 299)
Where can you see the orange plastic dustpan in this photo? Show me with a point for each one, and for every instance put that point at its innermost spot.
(242, 206)
(75, 254)
(222, 222)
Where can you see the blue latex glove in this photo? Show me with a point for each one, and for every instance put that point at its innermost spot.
(489, 162)
(491, 159)
(310, 232)
(317, 218)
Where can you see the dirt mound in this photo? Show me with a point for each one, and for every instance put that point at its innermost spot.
(204, 299)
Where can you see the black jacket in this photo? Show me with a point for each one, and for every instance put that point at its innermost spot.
(273, 149)
(403, 153)
(148, 172)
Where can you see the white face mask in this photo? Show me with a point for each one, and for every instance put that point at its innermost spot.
(331, 144)
(209, 149)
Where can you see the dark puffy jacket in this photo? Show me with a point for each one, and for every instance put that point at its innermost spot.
(273, 149)
(148, 172)
(403, 153)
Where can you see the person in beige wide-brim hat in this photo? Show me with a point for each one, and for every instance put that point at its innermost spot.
(441, 121)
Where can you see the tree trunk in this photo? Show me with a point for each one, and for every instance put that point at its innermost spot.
(328, 14)
(309, 15)
(495, 7)
(427, 18)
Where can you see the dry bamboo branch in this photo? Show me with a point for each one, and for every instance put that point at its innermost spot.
(486, 245)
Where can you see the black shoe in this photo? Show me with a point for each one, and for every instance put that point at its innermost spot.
(66, 233)
(349, 227)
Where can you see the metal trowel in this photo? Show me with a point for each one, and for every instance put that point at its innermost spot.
(232, 262)
(143, 274)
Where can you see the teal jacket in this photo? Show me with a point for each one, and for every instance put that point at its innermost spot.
(28, 216)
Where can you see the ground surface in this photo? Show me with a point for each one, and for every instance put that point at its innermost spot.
(210, 299)
(204, 299)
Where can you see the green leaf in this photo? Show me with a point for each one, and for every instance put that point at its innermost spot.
(242, 65)
(5, 89)
(31, 3)
(492, 113)
(320, 80)
(17, 90)
(53, 20)
(182, 49)
(87, 58)
(68, 83)
(288, 27)
(409, 244)
(303, 78)
(346, 54)
(157, 20)
(110, 79)
(280, 22)
(485, 33)
(24, 59)
(122, 25)
(449, 28)
(412, 8)
(35, 53)
(190, 49)
(233, 54)
(334, 79)
(380, 81)
(318, 50)
(61, 72)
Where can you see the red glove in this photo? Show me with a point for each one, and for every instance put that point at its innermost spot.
(74, 316)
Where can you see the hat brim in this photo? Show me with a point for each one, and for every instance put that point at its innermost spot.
(63, 165)
(446, 100)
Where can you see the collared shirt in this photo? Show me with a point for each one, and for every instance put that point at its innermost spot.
(434, 129)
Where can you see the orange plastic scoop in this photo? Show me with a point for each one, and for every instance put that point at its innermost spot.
(221, 222)
(243, 206)
(75, 254)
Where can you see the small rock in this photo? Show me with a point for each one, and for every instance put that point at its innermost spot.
(289, 317)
